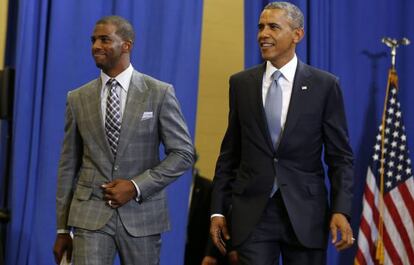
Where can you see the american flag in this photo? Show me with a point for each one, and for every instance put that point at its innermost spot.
(386, 232)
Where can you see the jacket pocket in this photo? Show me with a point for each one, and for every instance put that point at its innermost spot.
(82, 192)
(316, 189)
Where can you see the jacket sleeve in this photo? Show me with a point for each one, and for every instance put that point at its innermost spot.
(177, 146)
(338, 153)
(70, 158)
(229, 158)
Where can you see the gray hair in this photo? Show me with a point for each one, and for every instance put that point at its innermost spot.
(124, 29)
(293, 12)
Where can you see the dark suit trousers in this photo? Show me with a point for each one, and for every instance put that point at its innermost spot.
(273, 237)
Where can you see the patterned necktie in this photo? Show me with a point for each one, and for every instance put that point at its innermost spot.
(273, 109)
(113, 116)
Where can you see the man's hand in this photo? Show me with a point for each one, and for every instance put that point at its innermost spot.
(219, 233)
(63, 243)
(209, 260)
(340, 224)
(119, 192)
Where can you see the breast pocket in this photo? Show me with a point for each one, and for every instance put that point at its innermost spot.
(310, 119)
(309, 125)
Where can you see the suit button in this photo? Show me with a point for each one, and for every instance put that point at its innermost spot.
(116, 167)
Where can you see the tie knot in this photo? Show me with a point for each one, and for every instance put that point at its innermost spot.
(276, 75)
(112, 82)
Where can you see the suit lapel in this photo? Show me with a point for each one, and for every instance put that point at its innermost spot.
(297, 99)
(256, 101)
(92, 104)
(134, 108)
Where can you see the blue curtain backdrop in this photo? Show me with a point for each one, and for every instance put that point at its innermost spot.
(51, 54)
(344, 37)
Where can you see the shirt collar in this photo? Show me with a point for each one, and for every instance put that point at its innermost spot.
(288, 70)
(124, 78)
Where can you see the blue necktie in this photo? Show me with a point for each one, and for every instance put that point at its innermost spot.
(113, 116)
(273, 109)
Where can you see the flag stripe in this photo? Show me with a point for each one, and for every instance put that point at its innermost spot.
(398, 213)
(407, 198)
(364, 242)
(406, 213)
(396, 231)
(389, 247)
(388, 243)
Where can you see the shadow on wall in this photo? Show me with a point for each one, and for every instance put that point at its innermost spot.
(362, 160)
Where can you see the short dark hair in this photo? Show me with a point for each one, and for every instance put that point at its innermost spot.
(124, 29)
(293, 12)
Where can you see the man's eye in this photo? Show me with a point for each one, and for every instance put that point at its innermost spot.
(274, 26)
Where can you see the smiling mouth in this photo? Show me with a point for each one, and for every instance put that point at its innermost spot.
(266, 45)
(99, 57)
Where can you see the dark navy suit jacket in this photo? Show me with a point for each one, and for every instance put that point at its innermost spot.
(248, 162)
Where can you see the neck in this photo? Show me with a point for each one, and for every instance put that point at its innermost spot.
(280, 62)
(113, 72)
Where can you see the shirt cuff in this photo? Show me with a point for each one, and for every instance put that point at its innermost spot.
(137, 198)
(216, 215)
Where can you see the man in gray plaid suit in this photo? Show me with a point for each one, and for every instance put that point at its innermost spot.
(111, 180)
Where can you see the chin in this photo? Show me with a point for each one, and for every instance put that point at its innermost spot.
(266, 56)
(99, 65)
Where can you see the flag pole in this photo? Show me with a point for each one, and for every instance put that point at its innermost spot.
(392, 79)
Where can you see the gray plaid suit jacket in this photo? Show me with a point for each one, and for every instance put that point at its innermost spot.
(152, 116)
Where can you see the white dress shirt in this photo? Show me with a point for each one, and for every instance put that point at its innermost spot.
(123, 79)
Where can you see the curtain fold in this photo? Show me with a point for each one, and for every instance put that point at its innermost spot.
(52, 57)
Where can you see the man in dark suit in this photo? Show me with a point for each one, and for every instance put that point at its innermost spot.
(198, 219)
(199, 248)
(283, 114)
(111, 180)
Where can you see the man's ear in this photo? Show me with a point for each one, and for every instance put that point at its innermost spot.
(127, 46)
(298, 35)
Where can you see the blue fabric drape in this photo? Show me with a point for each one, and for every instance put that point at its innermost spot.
(53, 57)
(344, 37)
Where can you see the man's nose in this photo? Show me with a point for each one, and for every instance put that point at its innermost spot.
(264, 32)
(96, 44)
